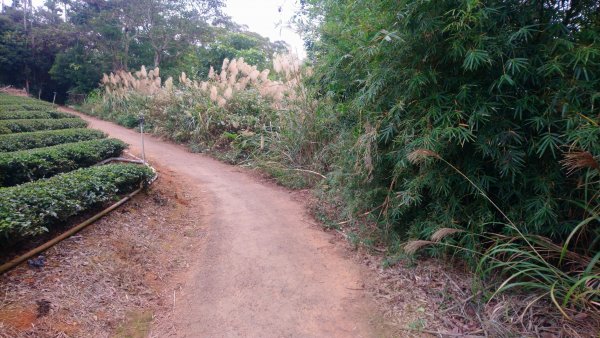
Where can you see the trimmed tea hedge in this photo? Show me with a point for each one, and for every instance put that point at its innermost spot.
(39, 139)
(33, 208)
(6, 99)
(29, 114)
(29, 165)
(24, 106)
(19, 126)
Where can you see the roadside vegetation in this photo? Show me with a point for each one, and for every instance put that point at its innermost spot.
(462, 130)
(32, 114)
(59, 50)
(34, 208)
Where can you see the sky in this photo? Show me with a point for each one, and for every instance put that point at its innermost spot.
(268, 18)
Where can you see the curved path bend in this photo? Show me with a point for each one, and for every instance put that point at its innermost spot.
(263, 270)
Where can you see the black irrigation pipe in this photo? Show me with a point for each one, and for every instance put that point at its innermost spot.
(18, 260)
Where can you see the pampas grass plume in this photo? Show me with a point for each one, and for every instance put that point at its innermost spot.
(414, 246)
(443, 233)
(228, 93)
(213, 93)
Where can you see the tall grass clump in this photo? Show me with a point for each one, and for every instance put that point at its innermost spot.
(240, 113)
(565, 275)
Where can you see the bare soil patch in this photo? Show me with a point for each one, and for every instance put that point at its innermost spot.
(113, 278)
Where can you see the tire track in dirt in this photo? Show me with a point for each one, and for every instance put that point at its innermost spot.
(263, 269)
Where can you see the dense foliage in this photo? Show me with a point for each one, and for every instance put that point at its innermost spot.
(20, 126)
(503, 90)
(63, 47)
(240, 113)
(470, 127)
(33, 164)
(40, 139)
(33, 208)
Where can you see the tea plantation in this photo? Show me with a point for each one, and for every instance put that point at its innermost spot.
(47, 172)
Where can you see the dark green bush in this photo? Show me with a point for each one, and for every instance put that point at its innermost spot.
(29, 165)
(40, 139)
(20, 126)
(503, 90)
(24, 106)
(33, 208)
(32, 114)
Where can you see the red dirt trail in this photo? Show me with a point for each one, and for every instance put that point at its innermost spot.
(265, 269)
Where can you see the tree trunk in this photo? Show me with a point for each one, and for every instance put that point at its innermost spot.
(25, 16)
(156, 58)
(126, 52)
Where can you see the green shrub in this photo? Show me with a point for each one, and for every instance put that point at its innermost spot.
(28, 165)
(503, 90)
(10, 99)
(20, 126)
(40, 139)
(31, 114)
(24, 106)
(33, 208)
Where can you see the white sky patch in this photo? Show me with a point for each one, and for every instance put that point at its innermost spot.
(268, 18)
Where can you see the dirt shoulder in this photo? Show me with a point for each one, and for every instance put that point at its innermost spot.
(114, 277)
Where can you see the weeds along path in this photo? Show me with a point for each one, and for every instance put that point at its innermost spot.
(264, 270)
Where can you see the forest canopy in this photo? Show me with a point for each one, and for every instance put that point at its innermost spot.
(66, 46)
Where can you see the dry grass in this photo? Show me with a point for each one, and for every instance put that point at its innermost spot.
(414, 246)
(431, 297)
(236, 75)
(435, 298)
(114, 278)
(443, 233)
(577, 160)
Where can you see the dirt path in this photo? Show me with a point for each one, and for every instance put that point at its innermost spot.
(264, 268)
